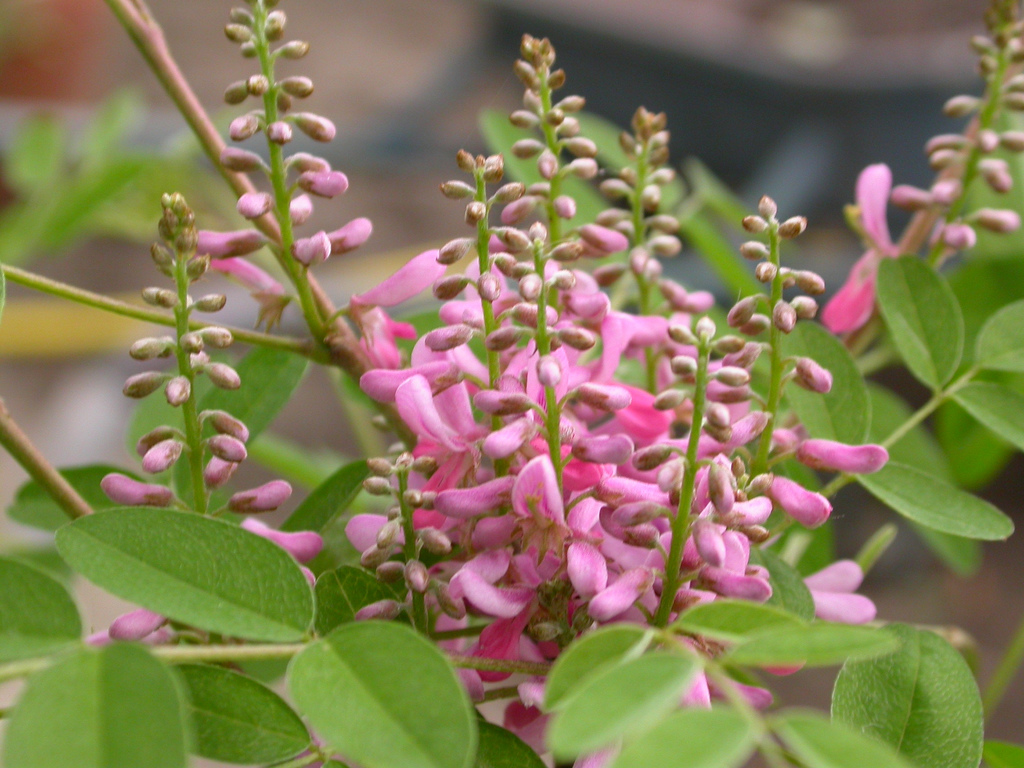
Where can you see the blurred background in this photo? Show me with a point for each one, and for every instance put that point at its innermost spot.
(786, 97)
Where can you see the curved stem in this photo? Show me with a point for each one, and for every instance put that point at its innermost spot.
(39, 469)
(1009, 664)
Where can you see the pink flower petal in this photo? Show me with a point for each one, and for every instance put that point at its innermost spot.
(416, 276)
(587, 569)
(621, 595)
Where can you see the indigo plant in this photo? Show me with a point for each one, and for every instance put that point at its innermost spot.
(604, 525)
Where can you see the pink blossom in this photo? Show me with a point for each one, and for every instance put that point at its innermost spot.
(853, 304)
(806, 507)
(833, 590)
(122, 489)
(415, 276)
(225, 244)
(302, 545)
(838, 457)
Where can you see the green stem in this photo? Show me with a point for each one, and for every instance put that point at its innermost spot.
(279, 180)
(681, 522)
(1005, 672)
(39, 469)
(551, 140)
(760, 464)
(505, 692)
(300, 762)
(553, 410)
(189, 412)
(644, 286)
(124, 309)
(419, 608)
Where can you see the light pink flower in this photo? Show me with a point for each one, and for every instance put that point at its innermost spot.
(853, 304)
(833, 590)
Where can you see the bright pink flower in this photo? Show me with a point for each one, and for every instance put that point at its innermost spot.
(853, 304)
(412, 278)
(302, 545)
(122, 489)
(838, 457)
(806, 507)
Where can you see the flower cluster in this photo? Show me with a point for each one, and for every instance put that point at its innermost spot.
(958, 159)
(550, 490)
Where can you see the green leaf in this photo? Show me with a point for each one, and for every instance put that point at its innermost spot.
(922, 700)
(844, 413)
(983, 286)
(196, 570)
(918, 449)
(386, 697)
(999, 408)
(37, 615)
(933, 503)
(33, 506)
(499, 135)
(329, 499)
(818, 644)
(718, 253)
(112, 707)
(103, 136)
(499, 748)
(342, 592)
(618, 701)
(923, 317)
(692, 738)
(238, 720)
(269, 376)
(823, 744)
(35, 155)
(734, 620)
(1000, 345)
(789, 593)
(1000, 754)
(3, 291)
(591, 654)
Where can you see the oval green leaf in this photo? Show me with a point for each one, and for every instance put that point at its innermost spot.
(733, 620)
(692, 738)
(923, 317)
(1000, 345)
(342, 592)
(933, 503)
(818, 644)
(618, 701)
(112, 707)
(499, 748)
(385, 697)
(1000, 754)
(824, 744)
(238, 720)
(329, 499)
(591, 654)
(998, 407)
(922, 700)
(37, 615)
(199, 571)
(842, 414)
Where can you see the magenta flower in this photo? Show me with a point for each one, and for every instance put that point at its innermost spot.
(853, 304)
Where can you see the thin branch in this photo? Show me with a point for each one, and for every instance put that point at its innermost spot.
(123, 308)
(28, 456)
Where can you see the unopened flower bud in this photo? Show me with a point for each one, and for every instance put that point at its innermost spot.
(447, 288)
(257, 85)
(805, 307)
(732, 376)
(742, 311)
(582, 168)
(122, 489)
(280, 132)
(838, 457)
(449, 337)
(382, 610)
(766, 271)
(754, 224)
(530, 286)
(684, 365)
(503, 338)
(456, 190)
(312, 250)
(475, 212)
(252, 205)
(160, 297)
(681, 334)
(177, 390)
(524, 149)
(212, 302)
(264, 498)
(243, 127)
(237, 92)
(910, 198)
(792, 227)
(223, 375)
(226, 424)
(227, 448)
(577, 338)
(959, 236)
(147, 349)
(317, 127)
(162, 456)
(605, 397)
(705, 329)
(416, 576)
(323, 183)
(567, 252)
(142, 384)
(669, 400)
(434, 541)
(997, 220)
(996, 173)
(455, 250)
(549, 371)
(767, 207)
(295, 49)
(784, 316)
(961, 106)
(812, 376)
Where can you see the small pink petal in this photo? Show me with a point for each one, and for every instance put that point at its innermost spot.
(416, 276)
(587, 569)
(485, 498)
(840, 576)
(135, 625)
(806, 507)
(302, 545)
(350, 236)
(839, 457)
(501, 602)
(620, 596)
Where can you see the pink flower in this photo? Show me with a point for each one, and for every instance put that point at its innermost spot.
(833, 590)
(853, 304)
